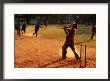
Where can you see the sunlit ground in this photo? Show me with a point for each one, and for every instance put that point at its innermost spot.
(46, 49)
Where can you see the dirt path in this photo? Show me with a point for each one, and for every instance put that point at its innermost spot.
(39, 52)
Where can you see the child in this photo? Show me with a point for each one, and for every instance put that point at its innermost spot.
(23, 27)
(36, 29)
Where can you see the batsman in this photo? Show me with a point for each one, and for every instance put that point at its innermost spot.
(69, 42)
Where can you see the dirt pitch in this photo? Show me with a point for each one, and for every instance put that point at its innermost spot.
(42, 52)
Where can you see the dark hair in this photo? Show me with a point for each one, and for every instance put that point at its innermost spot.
(93, 24)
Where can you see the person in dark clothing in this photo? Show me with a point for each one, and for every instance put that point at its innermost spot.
(17, 27)
(46, 23)
(23, 27)
(69, 42)
(93, 31)
(36, 29)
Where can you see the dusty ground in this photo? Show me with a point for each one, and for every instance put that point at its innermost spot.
(41, 52)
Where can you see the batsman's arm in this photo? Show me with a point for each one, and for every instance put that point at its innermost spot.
(66, 31)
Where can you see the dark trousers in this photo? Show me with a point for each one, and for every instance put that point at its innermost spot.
(35, 33)
(23, 30)
(46, 26)
(71, 45)
(18, 31)
(93, 33)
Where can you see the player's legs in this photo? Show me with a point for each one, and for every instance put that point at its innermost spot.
(46, 26)
(64, 50)
(19, 32)
(36, 33)
(73, 49)
(24, 30)
(33, 33)
(92, 35)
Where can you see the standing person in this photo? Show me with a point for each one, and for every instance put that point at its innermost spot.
(93, 31)
(46, 23)
(23, 27)
(36, 29)
(86, 24)
(69, 42)
(17, 27)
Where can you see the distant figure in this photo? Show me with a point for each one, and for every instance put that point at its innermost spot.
(46, 23)
(86, 24)
(36, 29)
(23, 27)
(69, 30)
(93, 31)
(17, 27)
